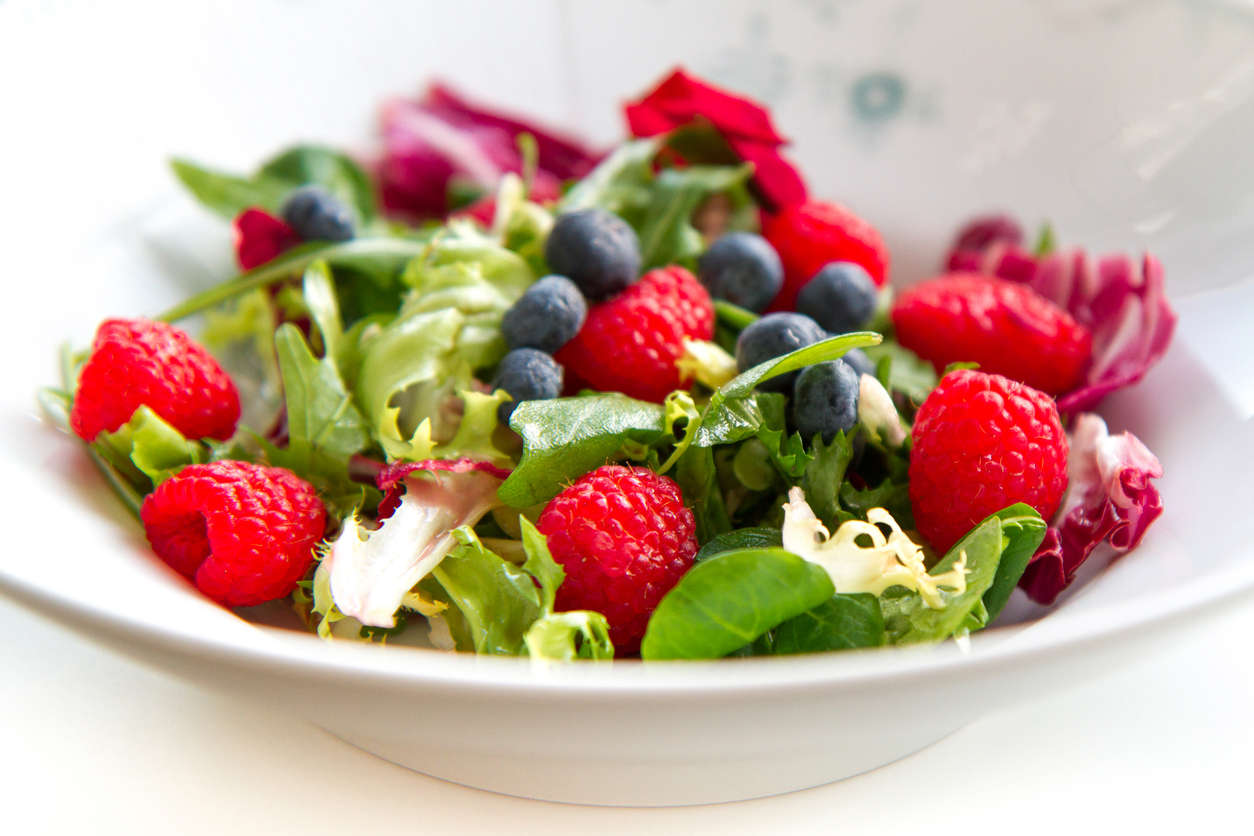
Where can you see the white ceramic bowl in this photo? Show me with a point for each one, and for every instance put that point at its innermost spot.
(1127, 125)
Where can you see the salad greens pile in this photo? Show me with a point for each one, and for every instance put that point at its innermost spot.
(359, 355)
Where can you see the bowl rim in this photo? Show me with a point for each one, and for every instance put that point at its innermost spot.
(275, 650)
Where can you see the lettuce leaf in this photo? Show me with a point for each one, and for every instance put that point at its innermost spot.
(149, 445)
(447, 328)
(1110, 499)
(498, 600)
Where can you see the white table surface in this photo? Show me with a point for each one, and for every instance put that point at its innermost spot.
(92, 743)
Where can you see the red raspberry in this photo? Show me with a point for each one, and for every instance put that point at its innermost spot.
(809, 235)
(138, 362)
(630, 343)
(1006, 327)
(624, 538)
(242, 532)
(982, 442)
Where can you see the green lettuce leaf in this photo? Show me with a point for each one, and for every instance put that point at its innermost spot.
(667, 235)
(149, 445)
(906, 372)
(498, 600)
(565, 636)
(540, 563)
(725, 602)
(448, 328)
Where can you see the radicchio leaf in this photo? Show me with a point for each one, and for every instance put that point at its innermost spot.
(1120, 300)
(371, 572)
(1110, 499)
(440, 138)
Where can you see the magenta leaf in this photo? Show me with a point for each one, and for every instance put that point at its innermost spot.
(1110, 499)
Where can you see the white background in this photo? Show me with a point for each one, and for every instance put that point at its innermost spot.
(93, 97)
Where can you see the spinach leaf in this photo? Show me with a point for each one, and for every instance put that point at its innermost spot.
(727, 418)
(725, 602)
(564, 438)
(228, 194)
(739, 540)
(840, 623)
(1022, 531)
(498, 600)
(335, 172)
(907, 619)
(268, 187)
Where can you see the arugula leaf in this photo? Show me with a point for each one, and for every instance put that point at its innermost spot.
(320, 412)
(739, 540)
(392, 253)
(1022, 531)
(725, 602)
(564, 438)
(498, 600)
(824, 475)
(697, 476)
(728, 418)
(618, 181)
(842, 622)
(565, 636)
(667, 235)
(907, 619)
(268, 187)
(893, 496)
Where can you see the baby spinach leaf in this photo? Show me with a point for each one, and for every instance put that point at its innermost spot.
(565, 636)
(268, 187)
(1022, 531)
(326, 167)
(739, 540)
(498, 600)
(725, 602)
(840, 623)
(564, 438)
(908, 620)
(727, 419)
(228, 194)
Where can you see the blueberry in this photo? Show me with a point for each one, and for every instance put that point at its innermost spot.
(547, 316)
(317, 215)
(825, 400)
(596, 249)
(861, 364)
(743, 269)
(774, 335)
(528, 375)
(840, 297)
